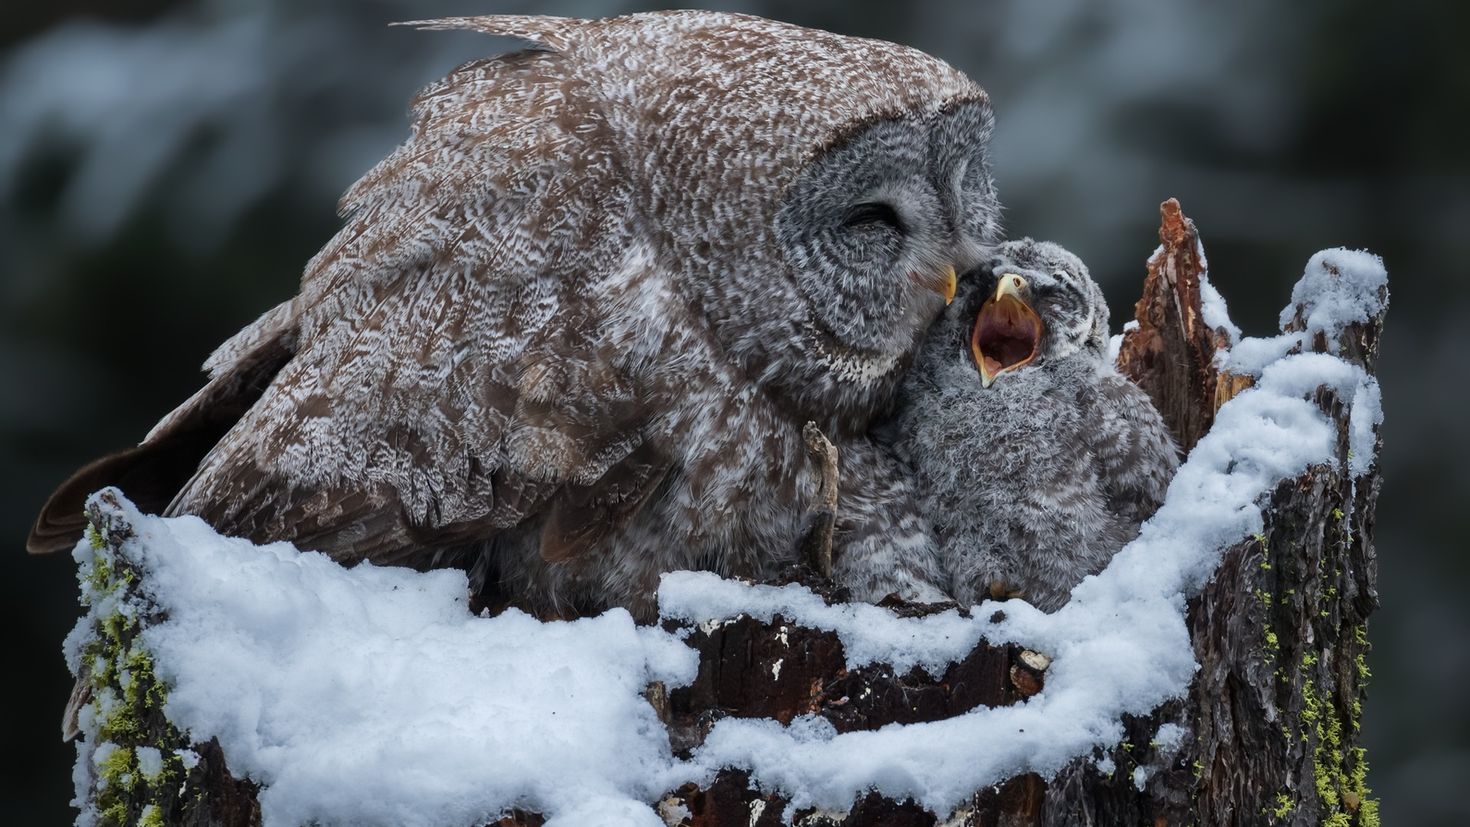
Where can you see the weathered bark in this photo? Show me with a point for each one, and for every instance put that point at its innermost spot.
(194, 787)
(1270, 724)
(1171, 351)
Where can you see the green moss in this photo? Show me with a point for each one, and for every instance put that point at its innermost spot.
(1327, 754)
(116, 778)
(127, 701)
(143, 687)
(115, 813)
(116, 770)
(1339, 775)
(1284, 806)
(1358, 778)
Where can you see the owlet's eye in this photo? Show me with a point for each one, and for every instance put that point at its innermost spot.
(872, 214)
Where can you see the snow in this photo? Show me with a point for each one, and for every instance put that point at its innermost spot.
(82, 780)
(868, 634)
(1115, 342)
(150, 761)
(1212, 304)
(1251, 356)
(188, 757)
(1119, 646)
(1169, 738)
(1212, 310)
(372, 696)
(1340, 287)
(102, 753)
(1363, 421)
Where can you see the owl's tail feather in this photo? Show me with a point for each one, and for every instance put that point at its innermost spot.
(152, 473)
(554, 33)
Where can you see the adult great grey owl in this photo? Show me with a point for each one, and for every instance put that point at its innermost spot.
(1036, 460)
(572, 328)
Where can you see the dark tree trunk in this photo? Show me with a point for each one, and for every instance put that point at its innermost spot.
(1270, 724)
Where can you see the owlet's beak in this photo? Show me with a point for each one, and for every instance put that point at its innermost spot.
(943, 282)
(1007, 331)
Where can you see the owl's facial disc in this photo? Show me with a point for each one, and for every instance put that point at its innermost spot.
(1007, 332)
(874, 228)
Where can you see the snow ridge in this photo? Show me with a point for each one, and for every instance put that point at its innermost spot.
(1340, 287)
(1119, 646)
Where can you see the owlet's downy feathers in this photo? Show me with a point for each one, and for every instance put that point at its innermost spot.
(1035, 459)
(571, 330)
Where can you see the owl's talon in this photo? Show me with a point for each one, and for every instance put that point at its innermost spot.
(1001, 590)
(821, 516)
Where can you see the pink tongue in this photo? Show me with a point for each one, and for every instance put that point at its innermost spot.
(1013, 350)
(1006, 340)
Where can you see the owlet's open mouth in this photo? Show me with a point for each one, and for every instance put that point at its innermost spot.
(1007, 331)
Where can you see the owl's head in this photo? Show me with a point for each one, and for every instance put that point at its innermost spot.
(1035, 305)
(876, 225)
(813, 194)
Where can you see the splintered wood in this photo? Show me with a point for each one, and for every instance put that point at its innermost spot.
(1171, 351)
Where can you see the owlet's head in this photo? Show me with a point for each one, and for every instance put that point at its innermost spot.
(1036, 305)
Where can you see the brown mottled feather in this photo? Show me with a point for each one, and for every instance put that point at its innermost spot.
(560, 336)
(444, 346)
(152, 473)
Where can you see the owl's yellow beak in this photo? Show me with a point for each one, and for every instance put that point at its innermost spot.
(1007, 331)
(943, 282)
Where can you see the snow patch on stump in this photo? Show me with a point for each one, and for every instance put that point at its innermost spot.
(372, 696)
(1340, 287)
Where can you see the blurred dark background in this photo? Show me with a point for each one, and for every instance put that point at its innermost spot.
(167, 167)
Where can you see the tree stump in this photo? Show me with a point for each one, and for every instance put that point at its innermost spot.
(1267, 734)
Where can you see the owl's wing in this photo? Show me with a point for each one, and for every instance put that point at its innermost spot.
(152, 473)
(1135, 453)
(454, 367)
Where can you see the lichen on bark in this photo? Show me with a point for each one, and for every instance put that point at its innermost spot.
(119, 704)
